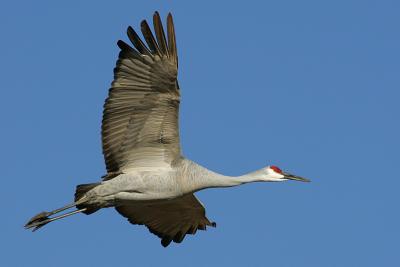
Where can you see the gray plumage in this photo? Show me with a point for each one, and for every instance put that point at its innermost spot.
(140, 118)
(148, 180)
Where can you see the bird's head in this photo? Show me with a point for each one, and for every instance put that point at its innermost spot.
(275, 174)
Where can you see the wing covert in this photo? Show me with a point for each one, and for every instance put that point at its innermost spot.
(140, 117)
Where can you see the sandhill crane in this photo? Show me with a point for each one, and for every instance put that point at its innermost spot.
(148, 181)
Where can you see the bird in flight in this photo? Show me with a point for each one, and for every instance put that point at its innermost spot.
(148, 180)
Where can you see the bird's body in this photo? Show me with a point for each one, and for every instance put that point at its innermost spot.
(185, 177)
(150, 184)
(148, 179)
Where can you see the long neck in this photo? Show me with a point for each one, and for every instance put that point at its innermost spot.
(197, 177)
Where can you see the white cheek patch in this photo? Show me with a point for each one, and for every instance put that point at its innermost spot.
(277, 175)
(273, 174)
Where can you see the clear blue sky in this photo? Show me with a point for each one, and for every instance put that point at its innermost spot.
(310, 86)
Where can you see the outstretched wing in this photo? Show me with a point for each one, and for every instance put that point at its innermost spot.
(171, 219)
(140, 117)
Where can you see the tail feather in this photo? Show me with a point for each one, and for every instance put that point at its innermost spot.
(82, 189)
(80, 192)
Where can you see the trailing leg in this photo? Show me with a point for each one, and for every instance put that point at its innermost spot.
(81, 203)
(39, 221)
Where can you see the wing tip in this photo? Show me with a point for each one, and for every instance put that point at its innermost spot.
(162, 46)
(169, 16)
(143, 23)
(156, 14)
(165, 241)
(122, 45)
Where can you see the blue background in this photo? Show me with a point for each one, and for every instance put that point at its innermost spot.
(310, 86)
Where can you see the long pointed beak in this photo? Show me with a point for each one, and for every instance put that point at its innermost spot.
(295, 177)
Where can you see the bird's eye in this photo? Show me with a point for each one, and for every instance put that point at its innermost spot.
(276, 169)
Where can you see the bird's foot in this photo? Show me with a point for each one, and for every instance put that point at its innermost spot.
(38, 221)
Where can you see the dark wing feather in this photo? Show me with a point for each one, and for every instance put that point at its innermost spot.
(140, 117)
(148, 36)
(137, 42)
(170, 220)
(171, 39)
(160, 35)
